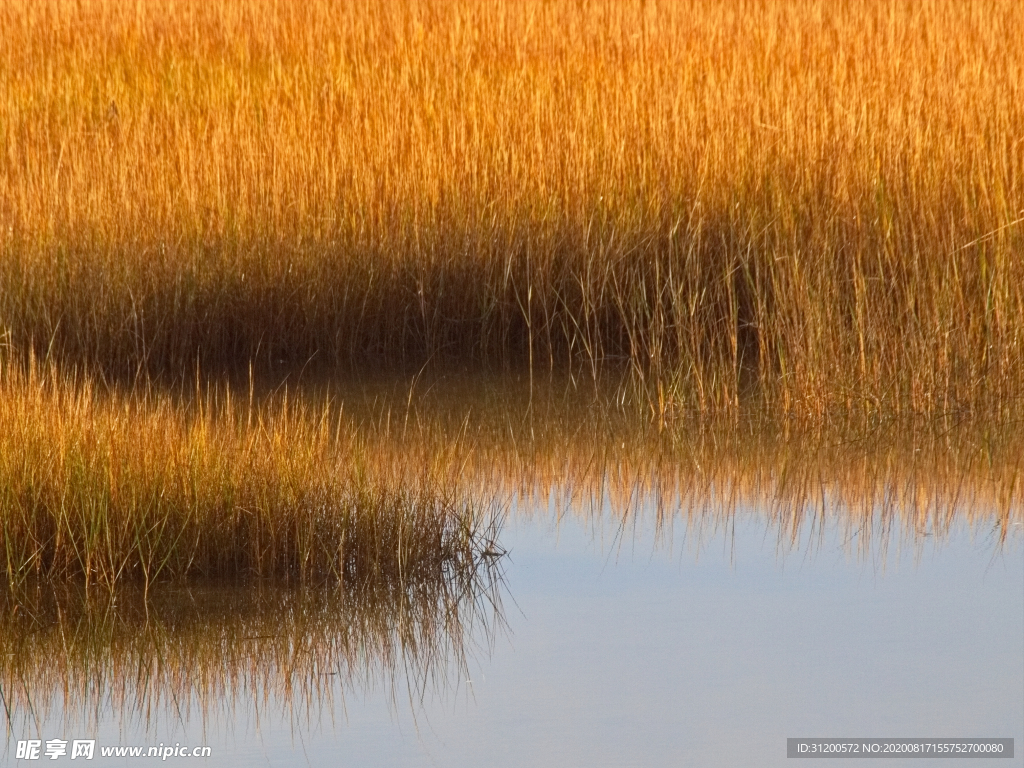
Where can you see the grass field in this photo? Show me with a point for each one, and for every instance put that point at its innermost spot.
(812, 210)
(815, 205)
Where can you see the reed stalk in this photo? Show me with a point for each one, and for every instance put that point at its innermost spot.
(817, 205)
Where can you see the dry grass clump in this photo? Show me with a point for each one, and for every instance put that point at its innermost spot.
(103, 487)
(819, 201)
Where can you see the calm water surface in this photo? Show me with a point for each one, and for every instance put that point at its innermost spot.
(621, 645)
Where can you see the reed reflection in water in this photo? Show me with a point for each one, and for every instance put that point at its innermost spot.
(560, 447)
(198, 657)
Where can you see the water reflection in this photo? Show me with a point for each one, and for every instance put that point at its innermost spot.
(889, 489)
(557, 448)
(201, 654)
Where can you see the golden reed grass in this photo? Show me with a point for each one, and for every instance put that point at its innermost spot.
(817, 202)
(102, 488)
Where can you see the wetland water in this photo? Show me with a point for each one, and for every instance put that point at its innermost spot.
(645, 614)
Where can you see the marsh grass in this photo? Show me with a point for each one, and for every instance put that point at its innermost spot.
(103, 486)
(816, 205)
(71, 657)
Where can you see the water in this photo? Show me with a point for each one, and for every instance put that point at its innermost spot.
(628, 644)
(626, 653)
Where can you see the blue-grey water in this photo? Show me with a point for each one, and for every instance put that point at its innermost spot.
(627, 646)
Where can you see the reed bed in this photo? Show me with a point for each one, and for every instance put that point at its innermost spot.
(817, 205)
(105, 487)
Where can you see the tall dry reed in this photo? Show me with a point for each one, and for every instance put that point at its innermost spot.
(104, 487)
(818, 202)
